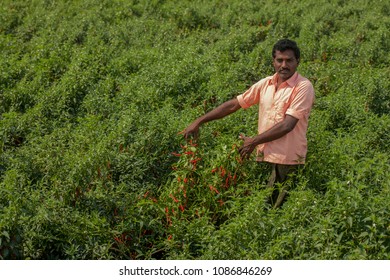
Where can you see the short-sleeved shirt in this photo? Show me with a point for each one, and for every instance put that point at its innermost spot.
(294, 97)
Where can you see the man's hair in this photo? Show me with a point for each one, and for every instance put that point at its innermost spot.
(286, 44)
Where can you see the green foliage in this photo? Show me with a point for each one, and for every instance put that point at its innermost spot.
(93, 94)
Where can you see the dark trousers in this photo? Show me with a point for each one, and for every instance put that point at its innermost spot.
(280, 181)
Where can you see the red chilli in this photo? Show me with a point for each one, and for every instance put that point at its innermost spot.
(213, 189)
(174, 198)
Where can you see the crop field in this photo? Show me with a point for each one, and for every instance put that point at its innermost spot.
(93, 94)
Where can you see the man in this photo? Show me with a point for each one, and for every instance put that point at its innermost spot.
(285, 100)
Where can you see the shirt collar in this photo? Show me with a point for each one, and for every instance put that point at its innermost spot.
(291, 82)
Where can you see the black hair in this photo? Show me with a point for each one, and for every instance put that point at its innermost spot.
(286, 44)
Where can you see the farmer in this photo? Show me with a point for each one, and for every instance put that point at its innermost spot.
(285, 100)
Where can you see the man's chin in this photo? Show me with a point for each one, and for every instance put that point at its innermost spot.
(285, 75)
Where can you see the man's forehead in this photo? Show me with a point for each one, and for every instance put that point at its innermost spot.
(286, 54)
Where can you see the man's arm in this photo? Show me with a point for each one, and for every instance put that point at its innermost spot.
(220, 112)
(275, 132)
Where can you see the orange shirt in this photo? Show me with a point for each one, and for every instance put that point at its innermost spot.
(294, 97)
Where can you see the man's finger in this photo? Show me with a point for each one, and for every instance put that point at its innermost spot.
(184, 133)
(242, 152)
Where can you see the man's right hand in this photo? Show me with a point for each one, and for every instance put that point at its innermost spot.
(192, 131)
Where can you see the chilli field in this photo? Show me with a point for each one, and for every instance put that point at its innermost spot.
(93, 94)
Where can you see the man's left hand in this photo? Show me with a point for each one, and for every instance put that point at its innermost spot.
(247, 148)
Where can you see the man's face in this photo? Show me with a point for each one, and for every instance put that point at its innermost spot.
(285, 64)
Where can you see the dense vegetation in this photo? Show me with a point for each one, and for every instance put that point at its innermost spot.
(94, 92)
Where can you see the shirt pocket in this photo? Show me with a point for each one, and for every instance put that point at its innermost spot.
(280, 110)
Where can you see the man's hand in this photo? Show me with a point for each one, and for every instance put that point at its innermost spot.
(191, 131)
(278, 130)
(247, 147)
